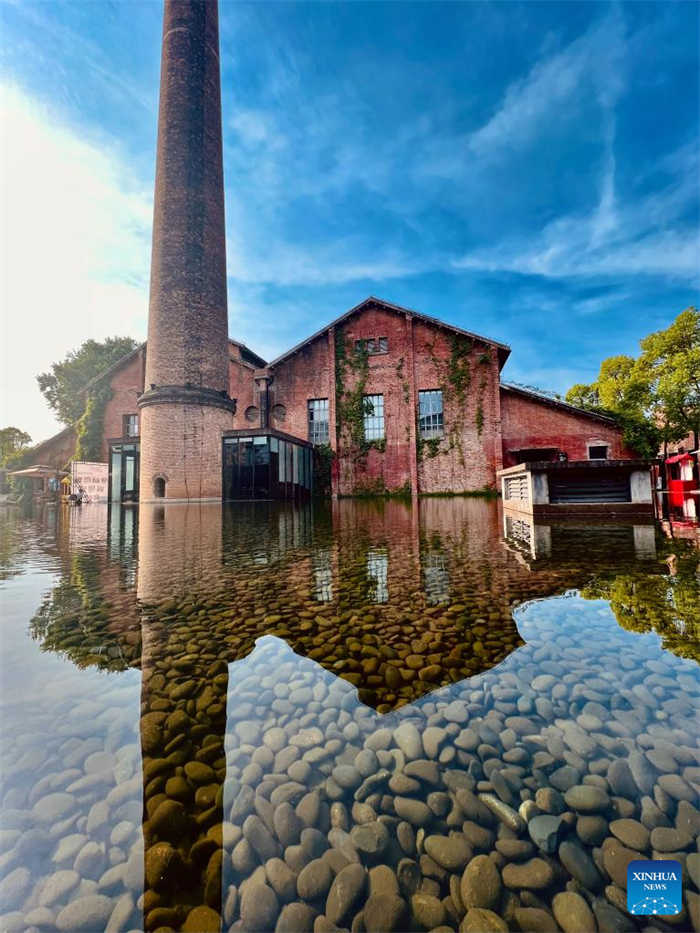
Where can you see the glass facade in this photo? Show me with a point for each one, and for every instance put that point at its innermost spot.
(318, 421)
(124, 472)
(374, 417)
(263, 466)
(430, 417)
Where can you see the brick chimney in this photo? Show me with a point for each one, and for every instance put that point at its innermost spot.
(185, 406)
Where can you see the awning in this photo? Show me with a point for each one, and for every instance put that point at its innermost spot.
(39, 471)
(676, 458)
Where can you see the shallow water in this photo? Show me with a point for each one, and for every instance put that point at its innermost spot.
(371, 716)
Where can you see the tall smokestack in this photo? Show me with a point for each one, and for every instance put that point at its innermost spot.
(185, 406)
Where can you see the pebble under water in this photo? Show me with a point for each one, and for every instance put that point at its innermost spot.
(371, 717)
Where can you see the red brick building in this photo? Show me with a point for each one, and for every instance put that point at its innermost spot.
(393, 400)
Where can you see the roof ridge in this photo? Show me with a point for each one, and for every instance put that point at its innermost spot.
(394, 307)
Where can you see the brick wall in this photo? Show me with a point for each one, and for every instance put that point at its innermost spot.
(126, 385)
(469, 454)
(528, 422)
(182, 444)
(57, 451)
(419, 357)
(304, 375)
(241, 387)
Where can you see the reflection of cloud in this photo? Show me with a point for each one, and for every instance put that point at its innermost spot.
(75, 249)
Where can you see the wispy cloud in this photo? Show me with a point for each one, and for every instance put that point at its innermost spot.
(594, 60)
(647, 236)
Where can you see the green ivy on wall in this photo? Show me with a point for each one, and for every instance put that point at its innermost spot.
(90, 426)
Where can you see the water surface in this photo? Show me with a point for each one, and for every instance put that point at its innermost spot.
(372, 716)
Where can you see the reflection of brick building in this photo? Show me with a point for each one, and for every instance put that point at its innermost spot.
(403, 400)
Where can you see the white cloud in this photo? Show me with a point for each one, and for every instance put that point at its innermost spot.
(645, 236)
(74, 251)
(593, 60)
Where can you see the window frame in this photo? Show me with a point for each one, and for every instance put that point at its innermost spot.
(372, 419)
(598, 446)
(125, 425)
(322, 438)
(372, 346)
(438, 429)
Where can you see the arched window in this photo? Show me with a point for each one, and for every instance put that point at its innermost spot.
(159, 487)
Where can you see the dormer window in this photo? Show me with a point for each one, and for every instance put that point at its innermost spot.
(372, 345)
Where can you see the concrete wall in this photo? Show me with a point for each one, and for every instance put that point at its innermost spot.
(527, 423)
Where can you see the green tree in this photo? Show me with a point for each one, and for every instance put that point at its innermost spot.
(12, 441)
(655, 396)
(63, 385)
(670, 362)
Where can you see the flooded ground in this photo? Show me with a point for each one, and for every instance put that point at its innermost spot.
(367, 717)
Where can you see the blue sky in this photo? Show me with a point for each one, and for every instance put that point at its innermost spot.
(526, 171)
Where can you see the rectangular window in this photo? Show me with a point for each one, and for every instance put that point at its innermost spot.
(598, 452)
(131, 426)
(430, 419)
(318, 420)
(373, 417)
(372, 345)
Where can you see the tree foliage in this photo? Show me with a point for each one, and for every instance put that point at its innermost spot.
(12, 442)
(63, 385)
(656, 395)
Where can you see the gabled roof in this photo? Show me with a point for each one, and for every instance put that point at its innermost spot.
(556, 403)
(372, 301)
(248, 355)
(122, 361)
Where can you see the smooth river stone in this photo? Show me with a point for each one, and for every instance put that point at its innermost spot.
(631, 833)
(544, 831)
(14, 888)
(480, 885)
(450, 852)
(53, 807)
(579, 864)
(259, 907)
(85, 913)
(414, 811)
(370, 838)
(479, 920)
(534, 874)
(314, 880)
(572, 913)
(616, 858)
(586, 798)
(408, 739)
(57, 885)
(428, 910)
(346, 890)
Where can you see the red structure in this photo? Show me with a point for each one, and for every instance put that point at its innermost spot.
(392, 400)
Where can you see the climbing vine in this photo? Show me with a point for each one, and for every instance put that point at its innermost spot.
(350, 403)
(90, 426)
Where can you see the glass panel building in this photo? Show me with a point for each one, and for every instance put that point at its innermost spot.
(266, 464)
(124, 472)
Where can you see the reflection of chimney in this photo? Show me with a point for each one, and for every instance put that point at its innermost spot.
(263, 381)
(179, 550)
(187, 406)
